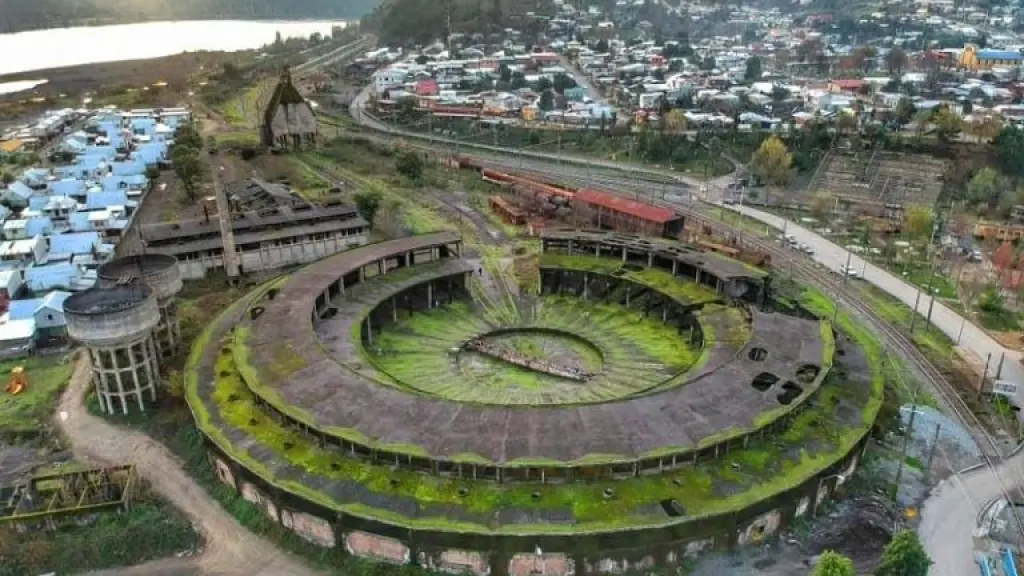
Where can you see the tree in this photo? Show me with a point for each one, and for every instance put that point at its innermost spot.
(862, 56)
(188, 167)
(1003, 258)
(772, 162)
(847, 122)
(904, 556)
(896, 60)
(985, 187)
(188, 135)
(7, 178)
(410, 164)
(367, 203)
(1009, 147)
(987, 128)
(547, 101)
(819, 204)
(905, 111)
(834, 564)
(947, 123)
(920, 220)
(675, 120)
(753, 71)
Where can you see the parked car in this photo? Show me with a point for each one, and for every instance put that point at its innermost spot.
(848, 271)
(806, 249)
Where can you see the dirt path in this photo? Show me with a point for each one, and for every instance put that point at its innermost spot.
(229, 547)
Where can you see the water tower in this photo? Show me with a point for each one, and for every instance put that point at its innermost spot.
(161, 273)
(117, 326)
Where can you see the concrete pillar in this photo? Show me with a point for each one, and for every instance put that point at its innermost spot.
(597, 251)
(380, 267)
(362, 274)
(131, 369)
(650, 259)
(570, 247)
(624, 252)
(394, 310)
(369, 331)
(627, 297)
(430, 295)
(407, 259)
(586, 278)
(675, 267)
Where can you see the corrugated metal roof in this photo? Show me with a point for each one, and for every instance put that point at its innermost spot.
(626, 206)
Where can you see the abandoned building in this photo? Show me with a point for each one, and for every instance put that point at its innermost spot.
(264, 239)
(288, 121)
(255, 194)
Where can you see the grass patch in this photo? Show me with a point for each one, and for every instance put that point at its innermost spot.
(28, 414)
(151, 529)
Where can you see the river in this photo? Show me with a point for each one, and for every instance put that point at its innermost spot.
(59, 47)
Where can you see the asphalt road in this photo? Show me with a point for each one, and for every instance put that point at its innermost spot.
(949, 322)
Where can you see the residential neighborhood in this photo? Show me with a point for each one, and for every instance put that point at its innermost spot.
(74, 181)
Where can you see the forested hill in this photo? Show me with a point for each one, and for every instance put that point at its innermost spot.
(18, 15)
(411, 22)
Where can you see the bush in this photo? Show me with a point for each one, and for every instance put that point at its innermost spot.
(410, 164)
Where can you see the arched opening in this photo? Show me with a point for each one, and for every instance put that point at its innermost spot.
(806, 373)
(763, 381)
(758, 354)
(790, 392)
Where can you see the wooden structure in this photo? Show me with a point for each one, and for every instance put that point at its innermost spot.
(43, 501)
(288, 121)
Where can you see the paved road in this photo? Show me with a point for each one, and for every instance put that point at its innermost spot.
(948, 321)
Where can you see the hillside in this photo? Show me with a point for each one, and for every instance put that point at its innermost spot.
(19, 15)
(412, 22)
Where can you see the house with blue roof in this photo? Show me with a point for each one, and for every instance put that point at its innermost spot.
(152, 153)
(36, 178)
(74, 243)
(38, 226)
(66, 187)
(32, 323)
(127, 168)
(17, 194)
(974, 58)
(62, 276)
(133, 185)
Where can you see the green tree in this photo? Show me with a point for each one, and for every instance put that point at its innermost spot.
(1009, 147)
(834, 564)
(410, 164)
(947, 123)
(189, 168)
(188, 135)
(7, 178)
(985, 187)
(772, 162)
(367, 203)
(920, 220)
(904, 556)
(754, 69)
(547, 101)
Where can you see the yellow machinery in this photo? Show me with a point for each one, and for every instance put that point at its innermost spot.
(18, 381)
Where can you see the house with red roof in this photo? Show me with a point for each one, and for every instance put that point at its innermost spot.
(427, 87)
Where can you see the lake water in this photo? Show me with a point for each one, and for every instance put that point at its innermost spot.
(58, 47)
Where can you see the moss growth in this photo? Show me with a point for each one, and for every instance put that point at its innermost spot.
(680, 289)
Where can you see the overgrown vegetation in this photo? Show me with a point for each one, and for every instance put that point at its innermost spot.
(151, 529)
(28, 414)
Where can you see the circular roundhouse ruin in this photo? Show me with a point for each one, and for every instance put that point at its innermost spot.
(639, 401)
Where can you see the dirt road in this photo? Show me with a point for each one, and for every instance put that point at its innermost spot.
(229, 547)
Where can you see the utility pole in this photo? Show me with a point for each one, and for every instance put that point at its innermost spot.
(906, 446)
